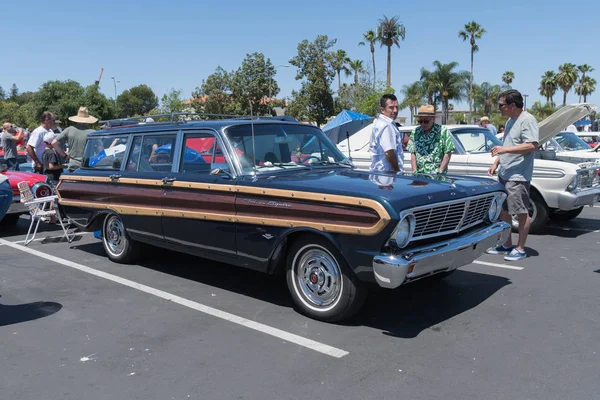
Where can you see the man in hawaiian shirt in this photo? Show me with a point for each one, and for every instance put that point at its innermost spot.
(430, 144)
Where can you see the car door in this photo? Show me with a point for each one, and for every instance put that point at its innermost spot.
(475, 145)
(199, 198)
(139, 188)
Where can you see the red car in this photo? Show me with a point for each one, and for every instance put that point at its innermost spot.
(36, 182)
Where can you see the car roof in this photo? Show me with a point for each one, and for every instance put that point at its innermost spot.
(132, 125)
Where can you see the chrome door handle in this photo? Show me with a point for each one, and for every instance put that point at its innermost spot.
(114, 177)
(166, 180)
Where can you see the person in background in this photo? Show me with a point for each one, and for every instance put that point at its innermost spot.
(75, 137)
(514, 162)
(386, 139)
(8, 140)
(35, 144)
(486, 123)
(52, 166)
(501, 129)
(430, 144)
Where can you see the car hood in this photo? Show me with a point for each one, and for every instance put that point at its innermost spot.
(400, 191)
(559, 120)
(14, 177)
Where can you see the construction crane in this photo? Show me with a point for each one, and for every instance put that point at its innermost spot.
(97, 83)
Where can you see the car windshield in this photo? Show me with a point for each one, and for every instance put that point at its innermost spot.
(476, 140)
(569, 141)
(282, 147)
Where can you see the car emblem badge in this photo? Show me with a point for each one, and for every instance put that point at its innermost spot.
(267, 236)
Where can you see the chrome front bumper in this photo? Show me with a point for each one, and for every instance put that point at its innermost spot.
(16, 207)
(392, 271)
(585, 197)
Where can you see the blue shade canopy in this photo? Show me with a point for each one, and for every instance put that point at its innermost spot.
(583, 122)
(348, 122)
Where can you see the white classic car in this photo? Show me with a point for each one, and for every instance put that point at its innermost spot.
(559, 190)
(569, 146)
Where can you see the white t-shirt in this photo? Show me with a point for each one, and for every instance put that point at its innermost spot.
(384, 137)
(36, 140)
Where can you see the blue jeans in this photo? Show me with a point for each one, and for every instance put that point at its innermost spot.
(5, 198)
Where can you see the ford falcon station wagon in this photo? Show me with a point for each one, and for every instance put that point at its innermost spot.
(277, 196)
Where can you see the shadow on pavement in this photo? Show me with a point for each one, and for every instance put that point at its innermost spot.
(14, 314)
(410, 309)
(571, 229)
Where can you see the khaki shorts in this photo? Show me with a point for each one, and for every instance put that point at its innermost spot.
(517, 201)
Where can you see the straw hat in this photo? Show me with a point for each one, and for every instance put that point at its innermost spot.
(83, 116)
(425, 111)
(484, 119)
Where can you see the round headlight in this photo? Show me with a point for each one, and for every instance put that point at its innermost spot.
(404, 230)
(41, 189)
(495, 208)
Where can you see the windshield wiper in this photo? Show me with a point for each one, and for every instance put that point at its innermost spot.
(327, 162)
(281, 165)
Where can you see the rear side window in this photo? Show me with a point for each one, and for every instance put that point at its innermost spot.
(202, 153)
(105, 152)
(152, 153)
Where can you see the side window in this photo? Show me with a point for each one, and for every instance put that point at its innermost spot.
(152, 153)
(202, 154)
(105, 152)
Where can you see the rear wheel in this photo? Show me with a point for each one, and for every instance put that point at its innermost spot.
(561, 216)
(320, 281)
(538, 212)
(117, 244)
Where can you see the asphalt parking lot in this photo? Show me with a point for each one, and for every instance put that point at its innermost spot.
(74, 325)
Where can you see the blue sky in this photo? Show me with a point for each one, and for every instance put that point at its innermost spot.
(177, 44)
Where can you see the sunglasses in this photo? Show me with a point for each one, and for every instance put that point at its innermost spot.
(425, 121)
(500, 105)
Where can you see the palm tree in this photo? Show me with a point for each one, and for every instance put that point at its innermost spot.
(338, 60)
(566, 78)
(548, 86)
(582, 82)
(542, 111)
(430, 90)
(371, 37)
(585, 88)
(448, 84)
(357, 67)
(472, 31)
(508, 77)
(389, 33)
(486, 95)
(414, 94)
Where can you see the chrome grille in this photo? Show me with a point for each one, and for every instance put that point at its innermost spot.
(587, 178)
(450, 217)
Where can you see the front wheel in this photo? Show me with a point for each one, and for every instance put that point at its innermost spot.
(117, 244)
(538, 213)
(562, 216)
(320, 281)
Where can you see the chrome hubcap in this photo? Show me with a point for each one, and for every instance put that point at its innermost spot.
(319, 277)
(114, 235)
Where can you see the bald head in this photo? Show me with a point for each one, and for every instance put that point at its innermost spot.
(7, 126)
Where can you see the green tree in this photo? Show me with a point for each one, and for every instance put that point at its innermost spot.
(339, 62)
(371, 37)
(137, 101)
(566, 78)
(252, 83)
(471, 32)
(451, 84)
(430, 87)
(299, 106)
(2, 94)
(14, 93)
(357, 67)
(583, 87)
(214, 95)
(313, 67)
(63, 98)
(486, 96)
(508, 77)
(172, 102)
(414, 95)
(389, 33)
(548, 86)
(98, 104)
(542, 111)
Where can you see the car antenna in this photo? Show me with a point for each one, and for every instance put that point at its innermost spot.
(253, 147)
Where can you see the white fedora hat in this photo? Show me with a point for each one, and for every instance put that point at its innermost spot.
(83, 116)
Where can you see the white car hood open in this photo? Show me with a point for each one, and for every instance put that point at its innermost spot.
(558, 121)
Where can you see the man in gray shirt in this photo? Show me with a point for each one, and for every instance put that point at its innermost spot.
(8, 141)
(515, 168)
(75, 136)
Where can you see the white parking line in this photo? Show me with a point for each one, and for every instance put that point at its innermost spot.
(489, 264)
(257, 326)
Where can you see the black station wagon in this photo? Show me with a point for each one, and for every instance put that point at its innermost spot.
(277, 196)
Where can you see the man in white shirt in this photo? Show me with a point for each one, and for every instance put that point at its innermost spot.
(35, 144)
(386, 139)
